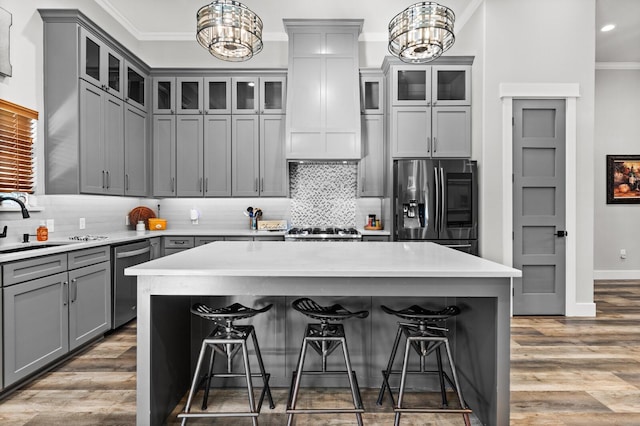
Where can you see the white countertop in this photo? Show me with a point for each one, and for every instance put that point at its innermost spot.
(323, 259)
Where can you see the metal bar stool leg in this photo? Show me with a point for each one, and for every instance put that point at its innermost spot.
(205, 398)
(463, 405)
(355, 393)
(443, 390)
(247, 371)
(386, 373)
(195, 381)
(265, 376)
(293, 394)
(403, 380)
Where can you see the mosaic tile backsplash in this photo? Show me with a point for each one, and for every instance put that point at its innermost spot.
(323, 194)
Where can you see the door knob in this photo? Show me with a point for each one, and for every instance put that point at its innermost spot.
(561, 234)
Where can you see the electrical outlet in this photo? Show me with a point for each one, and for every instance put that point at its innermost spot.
(81, 223)
(623, 253)
(50, 226)
(126, 220)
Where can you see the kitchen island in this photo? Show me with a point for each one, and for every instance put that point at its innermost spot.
(356, 275)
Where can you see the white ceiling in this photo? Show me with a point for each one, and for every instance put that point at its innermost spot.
(175, 20)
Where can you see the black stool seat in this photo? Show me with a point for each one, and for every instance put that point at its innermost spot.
(233, 312)
(324, 338)
(334, 312)
(425, 333)
(420, 314)
(228, 340)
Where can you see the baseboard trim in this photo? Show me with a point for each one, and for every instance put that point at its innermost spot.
(581, 310)
(610, 274)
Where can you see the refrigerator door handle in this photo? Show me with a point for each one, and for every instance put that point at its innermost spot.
(437, 210)
(442, 195)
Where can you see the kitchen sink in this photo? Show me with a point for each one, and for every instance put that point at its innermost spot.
(30, 247)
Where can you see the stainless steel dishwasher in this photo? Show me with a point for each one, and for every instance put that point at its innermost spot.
(125, 287)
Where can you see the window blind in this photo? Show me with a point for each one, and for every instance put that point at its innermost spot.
(17, 134)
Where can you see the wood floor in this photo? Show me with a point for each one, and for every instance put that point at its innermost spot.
(564, 371)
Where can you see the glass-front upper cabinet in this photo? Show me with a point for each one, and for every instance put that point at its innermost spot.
(437, 85)
(164, 95)
(245, 95)
(100, 65)
(371, 94)
(190, 95)
(217, 95)
(135, 86)
(272, 95)
(451, 85)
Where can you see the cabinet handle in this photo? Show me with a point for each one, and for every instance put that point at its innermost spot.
(74, 290)
(173, 183)
(108, 180)
(200, 185)
(261, 184)
(171, 111)
(428, 144)
(65, 293)
(199, 111)
(255, 185)
(434, 103)
(435, 144)
(126, 182)
(103, 180)
(429, 103)
(206, 185)
(180, 243)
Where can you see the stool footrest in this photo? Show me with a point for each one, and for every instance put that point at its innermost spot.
(217, 414)
(324, 410)
(433, 410)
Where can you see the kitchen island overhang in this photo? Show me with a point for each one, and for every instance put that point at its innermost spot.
(374, 271)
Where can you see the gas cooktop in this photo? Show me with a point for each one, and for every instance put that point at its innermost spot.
(323, 233)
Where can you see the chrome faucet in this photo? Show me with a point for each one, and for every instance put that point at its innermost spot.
(25, 212)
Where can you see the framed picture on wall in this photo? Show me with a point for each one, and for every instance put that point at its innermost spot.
(623, 179)
(5, 28)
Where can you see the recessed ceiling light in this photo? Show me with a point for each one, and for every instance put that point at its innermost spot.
(607, 27)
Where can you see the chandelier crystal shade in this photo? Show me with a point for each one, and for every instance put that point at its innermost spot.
(422, 32)
(229, 30)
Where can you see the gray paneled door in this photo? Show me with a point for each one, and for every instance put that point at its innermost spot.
(539, 206)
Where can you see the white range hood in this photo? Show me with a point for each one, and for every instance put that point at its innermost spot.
(323, 93)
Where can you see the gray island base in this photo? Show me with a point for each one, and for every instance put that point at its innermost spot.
(360, 276)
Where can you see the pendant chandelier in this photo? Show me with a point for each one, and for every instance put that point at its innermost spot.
(422, 32)
(229, 30)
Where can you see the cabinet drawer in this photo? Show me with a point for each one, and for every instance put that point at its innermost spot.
(178, 242)
(90, 256)
(30, 269)
(206, 240)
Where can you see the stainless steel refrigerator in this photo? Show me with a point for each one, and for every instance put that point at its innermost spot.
(437, 200)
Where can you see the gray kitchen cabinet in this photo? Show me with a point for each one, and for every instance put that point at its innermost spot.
(135, 86)
(217, 95)
(164, 155)
(273, 164)
(47, 313)
(200, 241)
(375, 238)
(189, 95)
(156, 248)
(431, 132)
(323, 116)
(101, 141)
(371, 92)
(172, 245)
(190, 156)
(217, 155)
(164, 95)
(85, 91)
(273, 94)
(431, 85)
(430, 108)
(89, 303)
(245, 167)
(100, 64)
(371, 167)
(136, 152)
(36, 325)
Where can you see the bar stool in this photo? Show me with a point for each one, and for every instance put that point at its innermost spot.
(425, 334)
(324, 338)
(228, 339)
